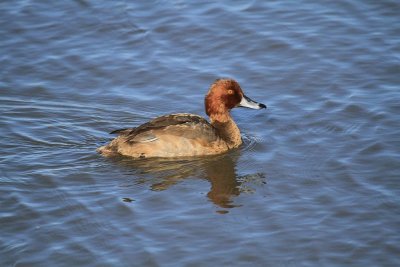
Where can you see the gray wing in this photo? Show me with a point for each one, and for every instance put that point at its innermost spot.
(181, 124)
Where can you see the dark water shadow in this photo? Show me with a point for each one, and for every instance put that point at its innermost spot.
(219, 170)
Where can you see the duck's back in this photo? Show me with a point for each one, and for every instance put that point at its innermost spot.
(175, 135)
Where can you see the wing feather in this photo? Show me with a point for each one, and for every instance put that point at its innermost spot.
(181, 124)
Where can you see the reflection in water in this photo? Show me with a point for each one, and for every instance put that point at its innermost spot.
(218, 170)
(221, 174)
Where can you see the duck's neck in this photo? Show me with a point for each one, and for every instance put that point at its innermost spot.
(227, 129)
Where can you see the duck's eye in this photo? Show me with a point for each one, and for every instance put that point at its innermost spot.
(230, 92)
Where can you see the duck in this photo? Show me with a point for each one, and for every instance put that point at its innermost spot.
(184, 134)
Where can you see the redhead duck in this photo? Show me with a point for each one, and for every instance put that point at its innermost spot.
(183, 134)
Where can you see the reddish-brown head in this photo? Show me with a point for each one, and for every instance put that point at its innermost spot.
(224, 95)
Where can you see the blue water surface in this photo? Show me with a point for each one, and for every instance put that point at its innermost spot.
(316, 182)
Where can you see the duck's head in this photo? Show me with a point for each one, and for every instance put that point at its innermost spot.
(226, 94)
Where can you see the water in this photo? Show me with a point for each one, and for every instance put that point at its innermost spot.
(316, 182)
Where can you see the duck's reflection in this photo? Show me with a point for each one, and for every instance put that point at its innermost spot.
(224, 185)
(218, 170)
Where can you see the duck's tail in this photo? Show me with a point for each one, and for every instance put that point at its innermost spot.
(107, 150)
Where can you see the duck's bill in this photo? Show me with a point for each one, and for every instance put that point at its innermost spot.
(248, 103)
